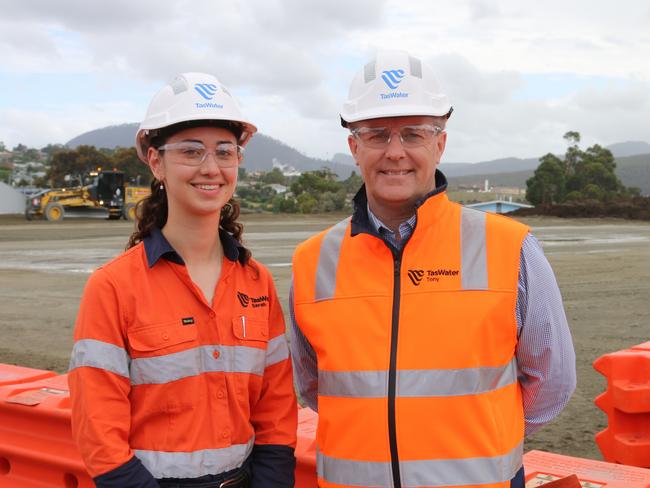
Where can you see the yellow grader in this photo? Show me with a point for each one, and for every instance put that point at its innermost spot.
(106, 191)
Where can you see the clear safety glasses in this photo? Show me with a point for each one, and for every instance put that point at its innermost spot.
(226, 154)
(410, 135)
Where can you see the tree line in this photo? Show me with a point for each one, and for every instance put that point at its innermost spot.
(582, 175)
(310, 192)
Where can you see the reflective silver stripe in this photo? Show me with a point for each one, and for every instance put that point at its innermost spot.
(193, 464)
(354, 473)
(99, 354)
(195, 361)
(277, 350)
(453, 382)
(417, 382)
(473, 250)
(429, 472)
(454, 472)
(353, 384)
(328, 261)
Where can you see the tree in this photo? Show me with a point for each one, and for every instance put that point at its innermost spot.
(306, 203)
(50, 149)
(274, 176)
(126, 159)
(3, 148)
(547, 186)
(75, 164)
(589, 174)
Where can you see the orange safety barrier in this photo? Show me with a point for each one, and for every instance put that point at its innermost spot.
(306, 449)
(10, 374)
(37, 451)
(36, 447)
(626, 440)
(544, 467)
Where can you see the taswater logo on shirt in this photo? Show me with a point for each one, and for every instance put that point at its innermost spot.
(392, 77)
(430, 275)
(255, 302)
(415, 275)
(206, 90)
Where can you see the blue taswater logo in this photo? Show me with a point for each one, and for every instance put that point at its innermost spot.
(392, 77)
(206, 90)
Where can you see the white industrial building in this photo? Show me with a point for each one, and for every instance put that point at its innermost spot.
(11, 200)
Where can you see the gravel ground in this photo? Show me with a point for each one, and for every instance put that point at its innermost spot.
(602, 267)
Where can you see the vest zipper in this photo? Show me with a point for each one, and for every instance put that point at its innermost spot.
(392, 371)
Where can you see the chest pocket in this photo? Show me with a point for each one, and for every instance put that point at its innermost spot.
(164, 353)
(252, 337)
(165, 338)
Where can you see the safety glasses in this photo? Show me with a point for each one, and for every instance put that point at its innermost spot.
(410, 135)
(226, 154)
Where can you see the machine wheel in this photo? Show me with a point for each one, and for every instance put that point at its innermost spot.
(29, 215)
(129, 212)
(54, 212)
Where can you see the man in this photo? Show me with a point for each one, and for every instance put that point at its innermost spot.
(430, 337)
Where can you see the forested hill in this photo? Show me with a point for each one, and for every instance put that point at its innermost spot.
(632, 157)
(632, 170)
(259, 156)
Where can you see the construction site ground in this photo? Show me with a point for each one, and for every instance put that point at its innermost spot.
(602, 266)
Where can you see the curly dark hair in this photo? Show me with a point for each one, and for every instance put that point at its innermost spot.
(152, 210)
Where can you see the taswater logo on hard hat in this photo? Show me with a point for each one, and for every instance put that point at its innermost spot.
(392, 77)
(206, 90)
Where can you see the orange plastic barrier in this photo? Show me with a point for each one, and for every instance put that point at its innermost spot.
(10, 374)
(626, 402)
(306, 449)
(36, 447)
(544, 467)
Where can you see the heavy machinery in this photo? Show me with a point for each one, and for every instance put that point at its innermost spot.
(103, 191)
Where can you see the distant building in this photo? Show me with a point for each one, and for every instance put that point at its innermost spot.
(286, 169)
(27, 172)
(499, 206)
(278, 189)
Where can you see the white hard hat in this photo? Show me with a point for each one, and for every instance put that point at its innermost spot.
(190, 97)
(394, 84)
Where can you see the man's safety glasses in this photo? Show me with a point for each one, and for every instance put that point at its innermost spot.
(226, 154)
(410, 135)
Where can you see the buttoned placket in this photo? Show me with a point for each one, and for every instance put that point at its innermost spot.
(217, 381)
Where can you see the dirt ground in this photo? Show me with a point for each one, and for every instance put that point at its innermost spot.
(602, 267)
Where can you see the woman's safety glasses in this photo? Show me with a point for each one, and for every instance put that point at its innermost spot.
(226, 154)
(410, 135)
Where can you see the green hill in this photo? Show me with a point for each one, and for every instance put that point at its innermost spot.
(632, 170)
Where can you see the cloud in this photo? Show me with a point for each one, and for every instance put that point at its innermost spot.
(463, 80)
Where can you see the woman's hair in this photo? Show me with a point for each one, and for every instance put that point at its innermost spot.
(152, 210)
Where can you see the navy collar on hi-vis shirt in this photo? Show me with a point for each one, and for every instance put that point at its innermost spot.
(156, 246)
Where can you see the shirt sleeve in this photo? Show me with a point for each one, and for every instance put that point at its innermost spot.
(99, 389)
(305, 363)
(274, 416)
(545, 355)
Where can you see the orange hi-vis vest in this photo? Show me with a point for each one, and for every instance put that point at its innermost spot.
(417, 377)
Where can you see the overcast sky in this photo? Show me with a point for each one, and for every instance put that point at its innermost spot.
(519, 73)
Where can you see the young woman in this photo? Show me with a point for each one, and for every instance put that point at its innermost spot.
(180, 374)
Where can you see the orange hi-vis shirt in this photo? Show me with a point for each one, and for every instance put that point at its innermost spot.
(417, 376)
(186, 386)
